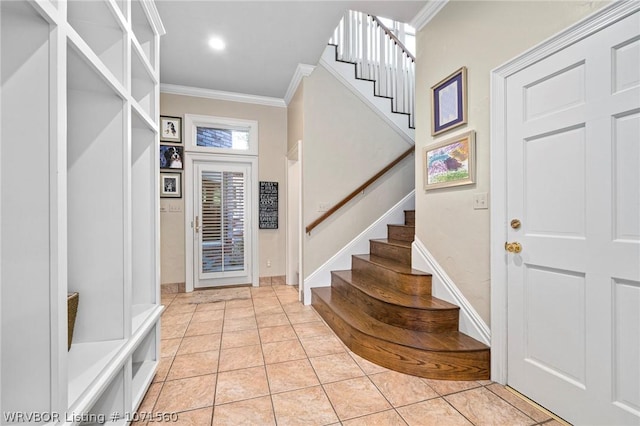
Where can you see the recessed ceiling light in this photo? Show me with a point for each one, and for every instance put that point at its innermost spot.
(216, 43)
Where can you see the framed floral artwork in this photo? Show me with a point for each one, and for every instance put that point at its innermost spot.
(450, 162)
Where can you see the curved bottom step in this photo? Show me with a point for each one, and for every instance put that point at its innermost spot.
(469, 361)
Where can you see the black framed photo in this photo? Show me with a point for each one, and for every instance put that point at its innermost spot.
(171, 157)
(449, 102)
(170, 185)
(170, 129)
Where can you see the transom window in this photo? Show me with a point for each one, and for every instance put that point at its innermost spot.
(221, 135)
(222, 138)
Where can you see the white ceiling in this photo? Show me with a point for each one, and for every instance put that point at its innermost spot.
(266, 40)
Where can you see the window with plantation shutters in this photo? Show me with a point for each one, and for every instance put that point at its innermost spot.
(223, 230)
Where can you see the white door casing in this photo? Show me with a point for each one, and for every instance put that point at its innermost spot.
(567, 127)
(194, 162)
(294, 209)
(222, 231)
(245, 157)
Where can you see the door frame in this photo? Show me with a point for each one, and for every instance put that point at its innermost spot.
(189, 209)
(295, 232)
(602, 18)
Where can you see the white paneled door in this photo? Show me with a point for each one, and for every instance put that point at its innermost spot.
(222, 231)
(573, 249)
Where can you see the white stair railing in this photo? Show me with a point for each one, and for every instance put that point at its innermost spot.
(379, 56)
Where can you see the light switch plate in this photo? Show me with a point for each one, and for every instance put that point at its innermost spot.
(480, 201)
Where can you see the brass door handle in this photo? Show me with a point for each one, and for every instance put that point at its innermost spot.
(514, 247)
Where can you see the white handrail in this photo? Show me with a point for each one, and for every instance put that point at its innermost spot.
(379, 56)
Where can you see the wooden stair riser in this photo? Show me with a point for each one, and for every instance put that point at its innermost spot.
(442, 365)
(410, 217)
(401, 232)
(417, 285)
(391, 251)
(427, 320)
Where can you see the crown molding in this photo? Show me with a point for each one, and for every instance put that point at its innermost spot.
(221, 96)
(302, 70)
(427, 13)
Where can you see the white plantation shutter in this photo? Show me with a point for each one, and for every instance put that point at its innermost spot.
(223, 221)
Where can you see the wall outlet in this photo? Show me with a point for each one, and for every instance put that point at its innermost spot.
(268, 264)
(480, 201)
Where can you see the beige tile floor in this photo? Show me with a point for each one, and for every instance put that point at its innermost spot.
(257, 356)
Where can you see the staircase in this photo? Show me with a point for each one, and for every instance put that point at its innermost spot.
(382, 309)
(379, 57)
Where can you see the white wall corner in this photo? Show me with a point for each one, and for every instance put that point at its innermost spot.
(427, 13)
(444, 288)
(321, 277)
(363, 89)
(302, 70)
(221, 96)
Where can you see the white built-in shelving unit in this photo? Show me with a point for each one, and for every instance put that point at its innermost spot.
(79, 206)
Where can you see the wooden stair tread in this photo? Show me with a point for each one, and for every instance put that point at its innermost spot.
(433, 342)
(402, 226)
(390, 264)
(378, 290)
(399, 243)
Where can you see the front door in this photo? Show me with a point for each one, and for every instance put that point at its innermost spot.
(222, 231)
(573, 179)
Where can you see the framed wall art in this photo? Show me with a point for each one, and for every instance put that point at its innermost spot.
(170, 129)
(451, 162)
(170, 185)
(449, 102)
(171, 157)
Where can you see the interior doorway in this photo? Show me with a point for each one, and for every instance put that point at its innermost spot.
(294, 218)
(566, 221)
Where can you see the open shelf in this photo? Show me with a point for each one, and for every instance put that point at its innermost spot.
(143, 31)
(144, 225)
(95, 203)
(144, 362)
(78, 100)
(143, 83)
(98, 25)
(112, 401)
(88, 361)
(139, 314)
(26, 225)
(123, 8)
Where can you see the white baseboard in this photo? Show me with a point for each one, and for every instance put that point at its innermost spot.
(321, 277)
(444, 288)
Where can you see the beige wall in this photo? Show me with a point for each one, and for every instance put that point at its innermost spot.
(295, 117)
(480, 35)
(345, 143)
(272, 122)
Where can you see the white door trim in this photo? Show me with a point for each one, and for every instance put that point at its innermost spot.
(189, 208)
(295, 231)
(588, 26)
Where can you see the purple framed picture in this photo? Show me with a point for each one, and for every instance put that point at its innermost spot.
(449, 102)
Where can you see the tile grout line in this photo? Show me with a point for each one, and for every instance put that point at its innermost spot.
(512, 405)
(266, 374)
(294, 310)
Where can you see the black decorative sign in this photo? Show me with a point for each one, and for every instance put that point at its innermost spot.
(268, 213)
